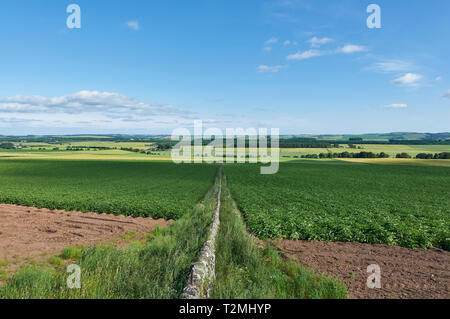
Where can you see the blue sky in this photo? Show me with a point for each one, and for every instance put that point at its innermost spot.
(147, 67)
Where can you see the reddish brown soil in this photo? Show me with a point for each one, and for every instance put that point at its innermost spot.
(36, 234)
(405, 273)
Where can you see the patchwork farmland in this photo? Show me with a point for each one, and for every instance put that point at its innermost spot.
(176, 152)
(313, 204)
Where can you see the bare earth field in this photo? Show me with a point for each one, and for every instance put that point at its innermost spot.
(405, 273)
(31, 235)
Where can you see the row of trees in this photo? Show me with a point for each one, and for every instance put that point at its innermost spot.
(354, 155)
(8, 146)
(307, 145)
(138, 150)
(87, 148)
(164, 146)
(345, 155)
(445, 155)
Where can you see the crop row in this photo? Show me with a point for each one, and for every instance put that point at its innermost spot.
(147, 189)
(331, 201)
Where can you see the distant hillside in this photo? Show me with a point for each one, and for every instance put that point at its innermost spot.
(374, 138)
(401, 136)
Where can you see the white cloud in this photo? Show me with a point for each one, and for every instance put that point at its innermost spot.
(438, 78)
(409, 79)
(269, 69)
(272, 40)
(316, 42)
(446, 95)
(267, 49)
(112, 105)
(289, 42)
(88, 111)
(397, 106)
(389, 66)
(134, 25)
(304, 55)
(351, 48)
(402, 71)
(16, 120)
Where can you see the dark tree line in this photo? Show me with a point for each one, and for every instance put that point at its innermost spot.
(353, 155)
(8, 146)
(84, 148)
(444, 155)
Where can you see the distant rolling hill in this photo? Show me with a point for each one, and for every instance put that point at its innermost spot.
(405, 136)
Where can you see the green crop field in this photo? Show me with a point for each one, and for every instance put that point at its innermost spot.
(151, 189)
(336, 201)
(158, 265)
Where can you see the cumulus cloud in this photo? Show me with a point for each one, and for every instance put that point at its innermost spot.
(316, 42)
(269, 69)
(351, 48)
(396, 106)
(267, 49)
(134, 25)
(107, 103)
(403, 70)
(409, 79)
(304, 55)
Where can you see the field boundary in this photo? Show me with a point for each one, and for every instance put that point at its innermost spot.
(198, 285)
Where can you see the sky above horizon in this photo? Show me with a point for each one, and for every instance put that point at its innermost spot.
(148, 67)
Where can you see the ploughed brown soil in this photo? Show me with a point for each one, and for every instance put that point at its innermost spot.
(32, 234)
(405, 273)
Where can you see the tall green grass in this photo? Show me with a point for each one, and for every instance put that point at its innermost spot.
(244, 270)
(157, 269)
